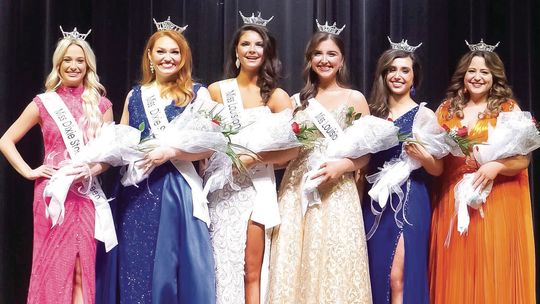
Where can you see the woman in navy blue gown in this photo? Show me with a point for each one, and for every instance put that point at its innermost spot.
(164, 253)
(398, 234)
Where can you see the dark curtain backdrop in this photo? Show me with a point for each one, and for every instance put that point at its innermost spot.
(29, 31)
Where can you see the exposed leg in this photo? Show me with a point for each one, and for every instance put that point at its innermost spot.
(396, 274)
(253, 262)
(77, 283)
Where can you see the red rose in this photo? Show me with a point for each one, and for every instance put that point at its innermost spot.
(446, 128)
(462, 132)
(217, 122)
(295, 127)
(534, 121)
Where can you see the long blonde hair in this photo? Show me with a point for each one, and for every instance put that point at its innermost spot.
(181, 90)
(93, 89)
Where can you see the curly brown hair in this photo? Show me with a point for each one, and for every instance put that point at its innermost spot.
(500, 91)
(270, 71)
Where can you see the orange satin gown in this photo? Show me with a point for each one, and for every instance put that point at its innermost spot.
(494, 262)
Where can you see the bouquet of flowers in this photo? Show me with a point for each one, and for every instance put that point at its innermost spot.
(108, 146)
(368, 134)
(263, 132)
(198, 129)
(516, 133)
(426, 132)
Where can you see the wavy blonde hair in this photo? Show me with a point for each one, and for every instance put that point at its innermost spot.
(181, 90)
(93, 89)
(499, 92)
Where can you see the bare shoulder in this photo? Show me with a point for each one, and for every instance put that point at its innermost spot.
(279, 100)
(357, 100)
(215, 92)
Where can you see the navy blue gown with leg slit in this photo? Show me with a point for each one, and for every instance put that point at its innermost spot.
(382, 245)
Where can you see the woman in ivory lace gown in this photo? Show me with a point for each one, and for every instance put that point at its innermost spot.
(240, 217)
(321, 257)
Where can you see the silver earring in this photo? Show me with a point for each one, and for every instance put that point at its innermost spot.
(151, 67)
(237, 62)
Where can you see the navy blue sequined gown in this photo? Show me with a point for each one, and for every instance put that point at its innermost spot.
(382, 245)
(164, 254)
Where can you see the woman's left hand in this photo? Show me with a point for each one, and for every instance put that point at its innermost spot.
(84, 171)
(156, 157)
(485, 174)
(332, 170)
(416, 151)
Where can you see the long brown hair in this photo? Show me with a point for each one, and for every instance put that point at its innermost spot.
(270, 70)
(499, 92)
(181, 90)
(311, 79)
(378, 98)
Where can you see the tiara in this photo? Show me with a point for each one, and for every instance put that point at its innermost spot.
(333, 29)
(403, 45)
(167, 25)
(74, 34)
(482, 46)
(257, 20)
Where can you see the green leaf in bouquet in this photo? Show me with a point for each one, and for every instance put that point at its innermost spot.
(142, 126)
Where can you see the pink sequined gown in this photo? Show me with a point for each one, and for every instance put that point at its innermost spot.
(55, 250)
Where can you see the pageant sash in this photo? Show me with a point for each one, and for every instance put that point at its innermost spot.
(323, 120)
(330, 128)
(73, 139)
(155, 113)
(265, 209)
(230, 94)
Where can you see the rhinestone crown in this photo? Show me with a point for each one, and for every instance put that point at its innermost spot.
(403, 45)
(74, 34)
(167, 25)
(332, 29)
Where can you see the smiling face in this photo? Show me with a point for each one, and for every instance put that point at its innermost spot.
(478, 78)
(326, 59)
(73, 66)
(400, 76)
(165, 56)
(250, 50)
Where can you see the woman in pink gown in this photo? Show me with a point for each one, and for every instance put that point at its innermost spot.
(63, 259)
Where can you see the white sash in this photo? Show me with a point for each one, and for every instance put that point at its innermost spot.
(323, 120)
(330, 128)
(73, 139)
(155, 113)
(230, 94)
(265, 208)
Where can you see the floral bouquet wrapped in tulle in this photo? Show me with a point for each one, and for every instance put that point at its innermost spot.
(111, 145)
(198, 129)
(365, 135)
(516, 133)
(426, 132)
(266, 132)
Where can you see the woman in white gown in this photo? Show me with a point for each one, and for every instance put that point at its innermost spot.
(239, 217)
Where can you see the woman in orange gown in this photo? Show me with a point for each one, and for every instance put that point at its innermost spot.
(493, 262)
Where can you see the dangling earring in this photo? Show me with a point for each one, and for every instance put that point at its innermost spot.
(412, 91)
(237, 62)
(151, 67)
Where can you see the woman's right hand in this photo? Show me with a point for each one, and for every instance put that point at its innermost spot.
(41, 171)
